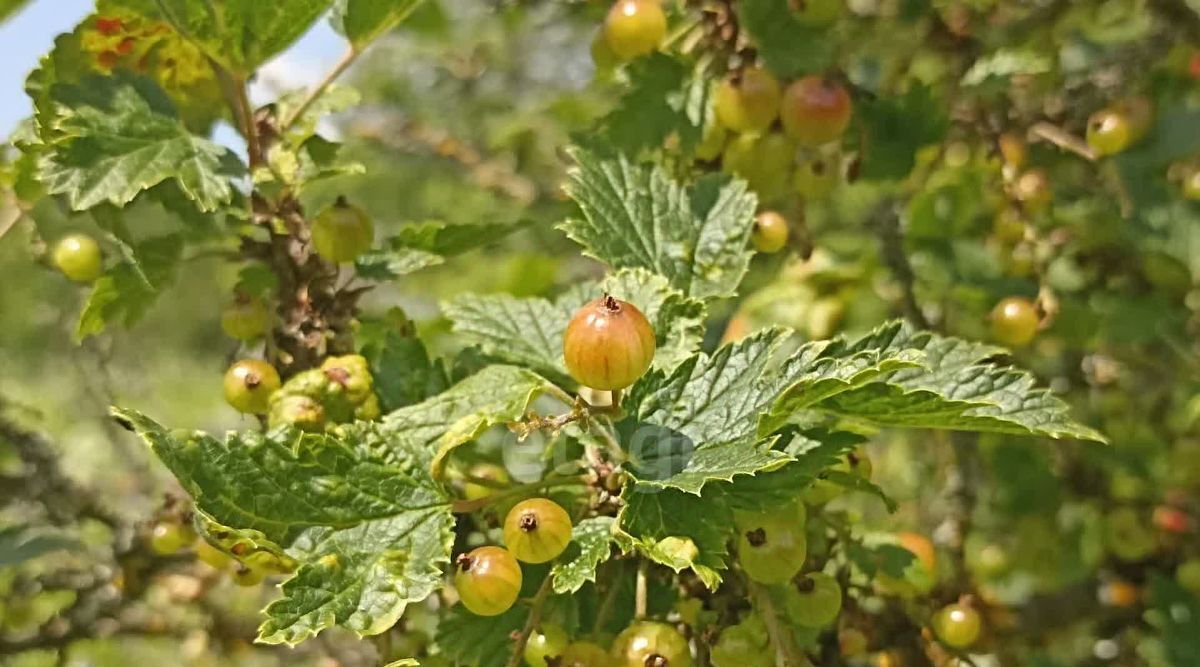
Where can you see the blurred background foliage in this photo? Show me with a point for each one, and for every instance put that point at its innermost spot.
(464, 117)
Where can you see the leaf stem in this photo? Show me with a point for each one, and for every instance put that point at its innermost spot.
(535, 617)
(468, 506)
(339, 67)
(639, 600)
(581, 411)
(1063, 139)
(780, 637)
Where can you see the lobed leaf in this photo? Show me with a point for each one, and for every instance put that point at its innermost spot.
(364, 21)
(127, 290)
(438, 425)
(110, 138)
(418, 246)
(592, 542)
(960, 387)
(676, 529)
(479, 641)
(636, 216)
(664, 98)
(370, 533)
(711, 406)
(788, 47)
(243, 34)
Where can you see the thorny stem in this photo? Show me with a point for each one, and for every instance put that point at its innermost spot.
(315, 94)
(780, 637)
(531, 624)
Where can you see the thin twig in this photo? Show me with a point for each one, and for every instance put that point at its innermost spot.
(315, 94)
(469, 506)
(580, 412)
(639, 600)
(780, 637)
(610, 597)
(891, 242)
(1063, 139)
(531, 624)
(253, 144)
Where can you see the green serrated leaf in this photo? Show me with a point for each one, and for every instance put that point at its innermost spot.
(822, 369)
(654, 107)
(814, 452)
(789, 47)
(370, 533)
(959, 388)
(113, 137)
(896, 128)
(125, 292)
(494, 395)
(403, 371)
(243, 34)
(677, 529)
(364, 21)
(479, 641)
(527, 331)
(591, 543)
(638, 217)
(897, 376)
(714, 405)
(426, 244)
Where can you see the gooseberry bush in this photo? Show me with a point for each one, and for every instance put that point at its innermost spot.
(708, 398)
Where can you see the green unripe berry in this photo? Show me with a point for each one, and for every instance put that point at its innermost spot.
(212, 556)
(770, 234)
(78, 256)
(634, 28)
(548, 642)
(1108, 132)
(1015, 321)
(246, 319)
(249, 384)
(537, 530)
(748, 101)
(1187, 575)
(488, 580)
(817, 602)
(485, 471)
(654, 644)
(169, 537)
(342, 232)
(957, 625)
(585, 654)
